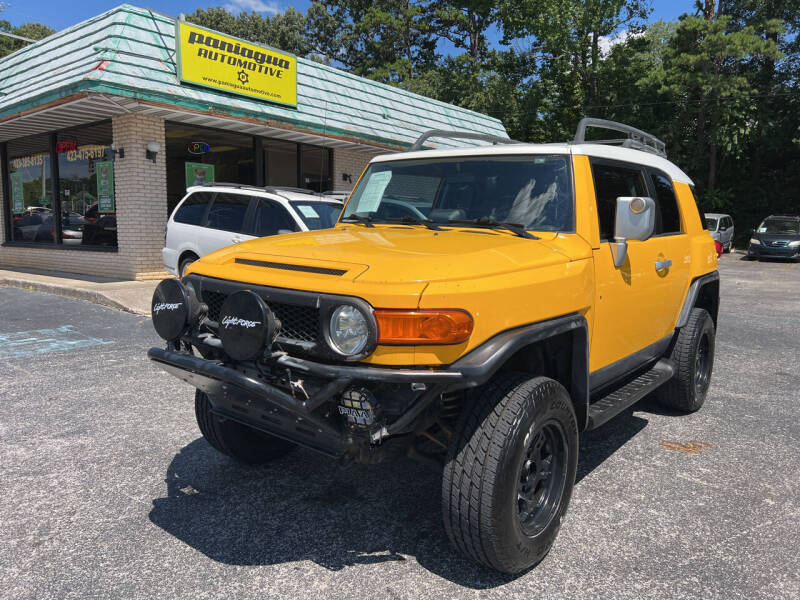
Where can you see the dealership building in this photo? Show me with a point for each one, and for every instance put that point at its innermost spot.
(106, 124)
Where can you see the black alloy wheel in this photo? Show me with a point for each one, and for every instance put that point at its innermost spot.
(702, 366)
(542, 476)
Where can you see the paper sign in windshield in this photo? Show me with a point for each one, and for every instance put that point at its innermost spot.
(373, 192)
(308, 211)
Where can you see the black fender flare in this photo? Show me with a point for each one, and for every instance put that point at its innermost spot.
(484, 361)
(691, 297)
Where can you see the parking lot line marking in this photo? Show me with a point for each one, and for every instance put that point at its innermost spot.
(43, 341)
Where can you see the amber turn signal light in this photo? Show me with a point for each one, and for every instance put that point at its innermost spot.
(414, 327)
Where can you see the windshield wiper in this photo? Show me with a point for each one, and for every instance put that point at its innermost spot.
(430, 224)
(516, 228)
(360, 219)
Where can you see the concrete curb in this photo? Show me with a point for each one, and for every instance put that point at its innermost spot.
(70, 292)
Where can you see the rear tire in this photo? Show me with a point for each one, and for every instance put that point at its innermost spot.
(693, 356)
(510, 471)
(233, 439)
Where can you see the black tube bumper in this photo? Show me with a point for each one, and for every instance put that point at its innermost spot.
(240, 397)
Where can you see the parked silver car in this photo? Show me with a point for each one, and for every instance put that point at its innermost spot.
(721, 229)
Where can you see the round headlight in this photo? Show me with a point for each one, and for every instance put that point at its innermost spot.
(349, 331)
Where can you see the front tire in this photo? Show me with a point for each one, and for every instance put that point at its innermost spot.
(693, 356)
(510, 471)
(185, 262)
(245, 444)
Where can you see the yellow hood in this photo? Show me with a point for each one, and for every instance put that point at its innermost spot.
(394, 254)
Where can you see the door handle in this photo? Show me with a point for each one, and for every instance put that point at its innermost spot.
(663, 264)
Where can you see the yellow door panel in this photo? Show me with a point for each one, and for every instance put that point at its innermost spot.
(634, 303)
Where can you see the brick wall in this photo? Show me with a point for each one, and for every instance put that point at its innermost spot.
(141, 192)
(141, 189)
(351, 162)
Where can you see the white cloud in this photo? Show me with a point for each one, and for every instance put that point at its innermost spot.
(259, 6)
(605, 43)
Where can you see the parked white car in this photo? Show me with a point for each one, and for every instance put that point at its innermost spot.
(720, 227)
(214, 216)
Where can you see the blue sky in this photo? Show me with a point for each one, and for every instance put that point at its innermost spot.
(59, 14)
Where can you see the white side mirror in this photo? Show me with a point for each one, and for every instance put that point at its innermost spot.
(636, 218)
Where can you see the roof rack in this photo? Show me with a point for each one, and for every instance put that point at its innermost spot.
(260, 188)
(456, 135)
(636, 138)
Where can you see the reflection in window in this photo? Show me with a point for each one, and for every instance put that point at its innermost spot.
(30, 194)
(86, 186)
(228, 211)
(280, 160)
(315, 169)
(272, 218)
(231, 155)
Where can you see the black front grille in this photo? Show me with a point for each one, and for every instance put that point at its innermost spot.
(778, 244)
(297, 322)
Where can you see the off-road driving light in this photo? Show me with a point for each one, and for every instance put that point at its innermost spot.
(246, 325)
(175, 309)
(423, 326)
(349, 330)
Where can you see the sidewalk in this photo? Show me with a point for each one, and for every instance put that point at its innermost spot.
(130, 296)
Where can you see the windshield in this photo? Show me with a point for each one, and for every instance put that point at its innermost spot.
(711, 224)
(786, 226)
(317, 215)
(533, 190)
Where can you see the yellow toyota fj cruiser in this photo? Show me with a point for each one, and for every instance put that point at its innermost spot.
(474, 308)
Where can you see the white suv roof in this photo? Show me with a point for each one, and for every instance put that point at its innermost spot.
(630, 155)
(275, 193)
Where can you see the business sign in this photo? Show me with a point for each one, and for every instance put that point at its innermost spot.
(199, 174)
(104, 171)
(222, 62)
(66, 146)
(17, 196)
(198, 148)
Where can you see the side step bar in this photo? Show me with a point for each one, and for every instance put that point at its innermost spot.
(629, 394)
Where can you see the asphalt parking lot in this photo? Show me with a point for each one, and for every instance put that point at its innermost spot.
(108, 490)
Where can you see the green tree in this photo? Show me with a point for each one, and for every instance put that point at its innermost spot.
(387, 40)
(702, 72)
(33, 31)
(285, 31)
(564, 39)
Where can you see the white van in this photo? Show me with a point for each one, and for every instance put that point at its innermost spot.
(213, 216)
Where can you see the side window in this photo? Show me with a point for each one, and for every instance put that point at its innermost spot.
(193, 208)
(668, 218)
(611, 182)
(271, 217)
(228, 212)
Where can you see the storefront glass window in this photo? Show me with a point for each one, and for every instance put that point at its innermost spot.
(29, 189)
(196, 155)
(86, 186)
(315, 168)
(280, 160)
